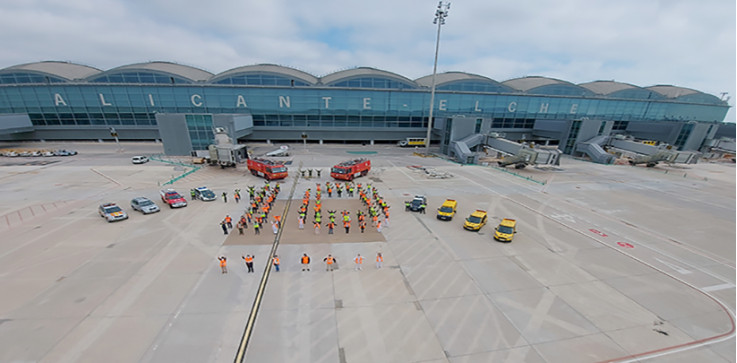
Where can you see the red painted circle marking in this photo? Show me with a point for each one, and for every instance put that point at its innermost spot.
(600, 233)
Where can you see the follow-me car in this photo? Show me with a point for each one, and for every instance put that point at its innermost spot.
(144, 205)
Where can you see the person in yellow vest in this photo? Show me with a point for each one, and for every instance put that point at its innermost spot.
(249, 262)
(276, 263)
(330, 262)
(359, 261)
(379, 260)
(305, 262)
(223, 264)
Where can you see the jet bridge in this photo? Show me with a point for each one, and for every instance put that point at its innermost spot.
(522, 155)
(593, 148)
(651, 155)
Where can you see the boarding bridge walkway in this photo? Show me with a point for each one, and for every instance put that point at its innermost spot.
(593, 149)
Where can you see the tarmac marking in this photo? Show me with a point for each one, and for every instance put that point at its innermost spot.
(241, 353)
(675, 267)
(718, 287)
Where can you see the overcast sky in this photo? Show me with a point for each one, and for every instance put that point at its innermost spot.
(687, 43)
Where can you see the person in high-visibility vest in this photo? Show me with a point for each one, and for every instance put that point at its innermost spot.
(305, 262)
(330, 262)
(347, 225)
(359, 261)
(331, 227)
(379, 260)
(223, 264)
(276, 262)
(249, 262)
(317, 227)
(229, 221)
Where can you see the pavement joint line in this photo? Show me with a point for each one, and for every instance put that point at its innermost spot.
(241, 354)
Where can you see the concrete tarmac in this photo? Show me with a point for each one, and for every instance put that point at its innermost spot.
(610, 263)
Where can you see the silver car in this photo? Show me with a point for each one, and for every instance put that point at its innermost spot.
(144, 205)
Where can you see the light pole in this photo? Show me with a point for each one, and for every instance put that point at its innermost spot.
(440, 15)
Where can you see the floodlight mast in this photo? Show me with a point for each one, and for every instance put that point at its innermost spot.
(440, 14)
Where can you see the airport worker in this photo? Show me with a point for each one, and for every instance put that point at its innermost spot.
(379, 260)
(301, 221)
(249, 262)
(378, 226)
(331, 226)
(191, 193)
(317, 227)
(223, 264)
(276, 262)
(256, 226)
(240, 227)
(225, 197)
(225, 227)
(362, 225)
(347, 225)
(305, 262)
(229, 221)
(330, 262)
(359, 261)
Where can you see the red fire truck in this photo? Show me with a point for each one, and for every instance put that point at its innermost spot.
(350, 169)
(267, 169)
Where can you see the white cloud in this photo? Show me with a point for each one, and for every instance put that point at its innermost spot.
(680, 42)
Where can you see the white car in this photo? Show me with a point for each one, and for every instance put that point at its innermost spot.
(139, 159)
(144, 205)
(112, 212)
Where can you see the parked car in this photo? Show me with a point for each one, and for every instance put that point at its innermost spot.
(204, 194)
(63, 152)
(418, 203)
(139, 159)
(144, 205)
(476, 220)
(112, 212)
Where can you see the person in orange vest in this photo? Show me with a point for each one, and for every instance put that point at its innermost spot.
(223, 264)
(305, 262)
(331, 226)
(374, 219)
(276, 262)
(229, 221)
(359, 261)
(249, 262)
(378, 226)
(330, 262)
(317, 227)
(362, 225)
(379, 260)
(347, 225)
(278, 220)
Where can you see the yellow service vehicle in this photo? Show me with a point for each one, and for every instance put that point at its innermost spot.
(476, 220)
(447, 210)
(506, 230)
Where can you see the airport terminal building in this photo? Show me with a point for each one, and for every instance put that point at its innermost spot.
(180, 105)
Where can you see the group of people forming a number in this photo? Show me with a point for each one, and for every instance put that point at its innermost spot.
(373, 202)
(331, 262)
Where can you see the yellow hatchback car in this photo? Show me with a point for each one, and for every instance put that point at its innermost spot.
(476, 220)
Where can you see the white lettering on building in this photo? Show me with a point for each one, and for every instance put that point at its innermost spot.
(284, 101)
(241, 102)
(512, 107)
(476, 108)
(58, 100)
(367, 103)
(103, 102)
(544, 107)
(151, 99)
(196, 100)
(443, 106)
(327, 100)
(574, 108)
